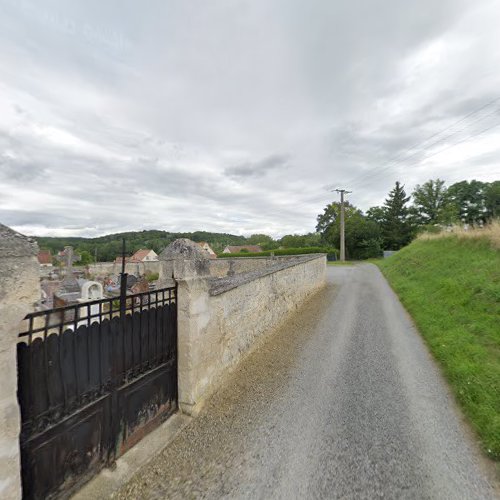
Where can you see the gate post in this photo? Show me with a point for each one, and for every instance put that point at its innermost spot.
(19, 289)
(183, 262)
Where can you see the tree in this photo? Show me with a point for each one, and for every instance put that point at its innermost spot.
(85, 258)
(469, 200)
(395, 223)
(301, 240)
(492, 200)
(259, 239)
(431, 204)
(362, 235)
(331, 216)
(376, 214)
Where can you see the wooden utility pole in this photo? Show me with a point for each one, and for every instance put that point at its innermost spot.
(342, 223)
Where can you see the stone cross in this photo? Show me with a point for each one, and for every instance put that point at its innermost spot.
(68, 257)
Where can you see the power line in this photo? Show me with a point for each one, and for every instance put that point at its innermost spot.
(365, 178)
(401, 156)
(417, 153)
(363, 181)
(307, 204)
(362, 178)
(420, 152)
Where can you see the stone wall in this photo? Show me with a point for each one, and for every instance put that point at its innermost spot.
(220, 319)
(19, 290)
(102, 269)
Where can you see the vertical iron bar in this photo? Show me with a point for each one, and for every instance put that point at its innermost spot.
(61, 373)
(31, 410)
(75, 368)
(75, 318)
(100, 353)
(45, 363)
(87, 333)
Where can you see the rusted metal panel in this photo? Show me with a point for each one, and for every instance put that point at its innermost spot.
(145, 403)
(60, 458)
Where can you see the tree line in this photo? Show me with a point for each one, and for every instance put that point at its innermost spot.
(107, 248)
(401, 217)
(386, 227)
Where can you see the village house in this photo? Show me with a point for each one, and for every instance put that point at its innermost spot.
(142, 255)
(207, 249)
(242, 248)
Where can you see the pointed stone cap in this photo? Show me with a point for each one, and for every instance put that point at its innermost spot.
(183, 259)
(19, 279)
(183, 249)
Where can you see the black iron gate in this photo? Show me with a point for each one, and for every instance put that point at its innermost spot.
(94, 378)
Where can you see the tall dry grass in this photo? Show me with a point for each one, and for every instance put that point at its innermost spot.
(490, 231)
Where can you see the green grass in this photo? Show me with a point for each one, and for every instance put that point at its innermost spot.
(451, 287)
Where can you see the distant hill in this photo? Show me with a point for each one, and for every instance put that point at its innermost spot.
(450, 284)
(109, 246)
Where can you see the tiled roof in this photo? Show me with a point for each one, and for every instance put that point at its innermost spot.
(239, 248)
(140, 255)
(206, 246)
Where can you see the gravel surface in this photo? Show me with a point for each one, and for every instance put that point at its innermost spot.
(343, 402)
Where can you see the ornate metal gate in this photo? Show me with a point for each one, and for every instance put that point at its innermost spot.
(94, 378)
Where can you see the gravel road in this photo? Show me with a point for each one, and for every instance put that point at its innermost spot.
(343, 402)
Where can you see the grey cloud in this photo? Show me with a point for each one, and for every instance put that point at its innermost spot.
(161, 101)
(258, 168)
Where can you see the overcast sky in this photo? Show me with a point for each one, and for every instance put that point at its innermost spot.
(237, 116)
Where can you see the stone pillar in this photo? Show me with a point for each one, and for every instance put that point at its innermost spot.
(185, 263)
(19, 290)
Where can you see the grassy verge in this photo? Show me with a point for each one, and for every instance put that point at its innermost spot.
(451, 287)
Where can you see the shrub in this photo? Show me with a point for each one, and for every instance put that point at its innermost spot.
(331, 252)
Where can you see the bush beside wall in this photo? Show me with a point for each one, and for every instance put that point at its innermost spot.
(332, 253)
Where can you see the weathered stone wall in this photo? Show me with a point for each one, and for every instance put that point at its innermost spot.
(221, 319)
(102, 269)
(19, 290)
(244, 310)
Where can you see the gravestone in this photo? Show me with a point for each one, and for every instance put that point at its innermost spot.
(91, 290)
(69, 290)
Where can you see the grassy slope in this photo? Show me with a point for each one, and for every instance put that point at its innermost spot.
(451, 287)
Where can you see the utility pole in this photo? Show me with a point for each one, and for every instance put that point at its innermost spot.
(342, 223)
